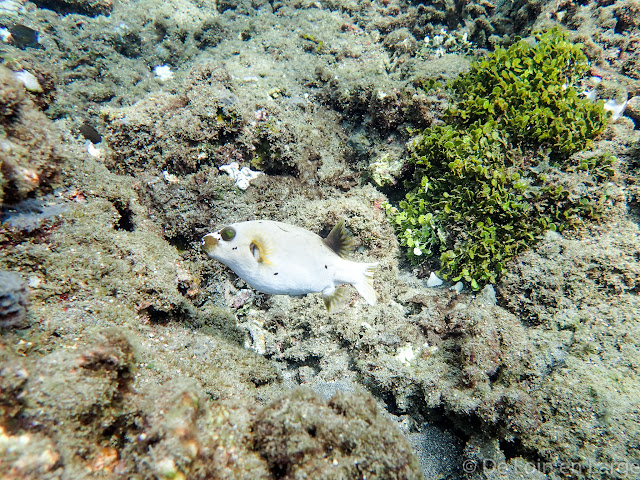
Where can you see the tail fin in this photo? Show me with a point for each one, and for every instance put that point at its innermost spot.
(365, 285)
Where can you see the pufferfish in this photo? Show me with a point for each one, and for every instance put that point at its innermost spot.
(278, 258)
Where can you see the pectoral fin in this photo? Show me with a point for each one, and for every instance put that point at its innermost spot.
(260, 249)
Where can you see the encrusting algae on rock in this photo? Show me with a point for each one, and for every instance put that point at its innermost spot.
(279, 258)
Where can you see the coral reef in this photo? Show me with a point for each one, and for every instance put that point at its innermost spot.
(568, 286)
(174, 429)
(31, 150)
(176, 133)
(301, 436)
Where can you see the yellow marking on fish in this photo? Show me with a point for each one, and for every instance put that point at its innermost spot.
(260, 249)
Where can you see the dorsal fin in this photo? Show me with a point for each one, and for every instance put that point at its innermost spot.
(340, 240)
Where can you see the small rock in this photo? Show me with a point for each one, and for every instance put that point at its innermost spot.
(13, 300)
(89, 132)
(487, 296)
(420, 299)
(24, 37)
(91, 8)
(633, 109)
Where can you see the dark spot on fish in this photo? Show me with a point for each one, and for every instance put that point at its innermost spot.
(325, 266)
(24, 37)
(276, 273)
(90, 133)
(234, 248)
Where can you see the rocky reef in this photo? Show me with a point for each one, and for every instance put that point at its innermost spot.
(126, 352)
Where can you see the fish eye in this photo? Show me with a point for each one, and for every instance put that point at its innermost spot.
(228, 233)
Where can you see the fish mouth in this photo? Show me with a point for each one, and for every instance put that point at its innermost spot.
(209, 243)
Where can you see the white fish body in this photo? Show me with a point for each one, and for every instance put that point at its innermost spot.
(278, 258)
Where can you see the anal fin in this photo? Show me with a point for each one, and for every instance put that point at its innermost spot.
(336, 299)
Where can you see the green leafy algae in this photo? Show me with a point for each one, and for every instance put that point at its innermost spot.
(495, 177)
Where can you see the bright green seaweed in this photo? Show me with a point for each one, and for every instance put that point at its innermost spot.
(499, 173)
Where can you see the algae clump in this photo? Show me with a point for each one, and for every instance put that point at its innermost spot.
(500, 171)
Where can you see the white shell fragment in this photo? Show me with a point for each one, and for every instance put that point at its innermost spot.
(169, 177)
(5, 35)
(93, 150)
(457, 287)
(591, 95)
(163, 72)
(241, 176)
(29, 81)
(434, 281)
(616, 109)
(406, 354)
